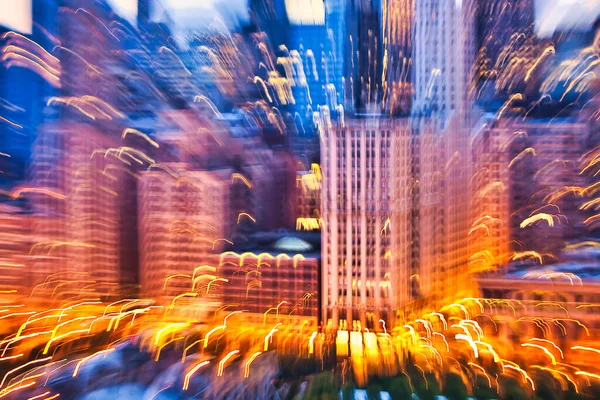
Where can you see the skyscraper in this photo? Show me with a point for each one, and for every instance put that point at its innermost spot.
(363, 55)
(77, 224)
(444, 55)
(397, 33)
(444, 48)
(366, 235)
(182, 223)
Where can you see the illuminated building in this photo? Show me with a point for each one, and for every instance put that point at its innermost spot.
(444, 53)
(309, 57)
(567, 289)
(281, 279)
(77, 227)
(335, 22)
(489, 233)
(365, 204)
(15, 243)
(180, 223)
(397, 33)
(441, 204)
(363, 57)
(544, 160)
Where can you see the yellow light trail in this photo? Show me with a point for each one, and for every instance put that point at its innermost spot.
(188, 375)
(247, 366)
(23, 366)
(224, 360)
(545, 350)
(80, 363)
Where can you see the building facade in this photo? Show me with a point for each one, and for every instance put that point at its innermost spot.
(365, 206)
(444, 54)
(184, 222)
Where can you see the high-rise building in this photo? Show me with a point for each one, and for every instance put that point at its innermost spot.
(397, 34)
(489, 188)
(444, 54)
(364, 57)
(441, 205)
(183, 223)
(545, 174)
(335, 22)
(365, 205)
(77, 224)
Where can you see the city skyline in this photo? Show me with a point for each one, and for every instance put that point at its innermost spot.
(381, 198)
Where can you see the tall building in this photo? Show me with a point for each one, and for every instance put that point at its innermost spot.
(365, 205)
(308, 63)
(489, 189)
(441, 204)
(397, 34)
(444, 54)
(183, 224)
(545, 174)
(364, 56)
(335, 22)
(77, 224)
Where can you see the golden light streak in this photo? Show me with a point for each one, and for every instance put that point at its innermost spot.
(141, 134)
(538, 217)
(545, 350)
(188, 375)
(213, 330)
(247, 366)
(80, 363)
(23, 366)
(585, 349)
(39, 395)
(224, 360)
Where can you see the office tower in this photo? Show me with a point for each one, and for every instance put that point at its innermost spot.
(444, 47)
(77, 212)
(545, 175)
(365, 205)
(308, 61)
(489, 233)
(183, 224)
(397, 34)
(441, 211)
(335, 22)
(364, 51)
(444, 53)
